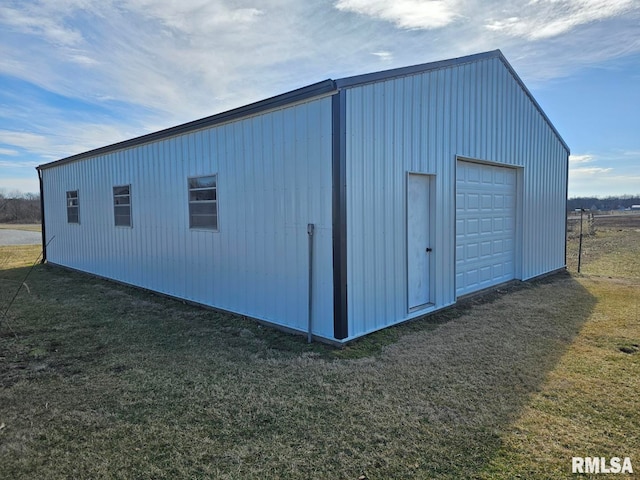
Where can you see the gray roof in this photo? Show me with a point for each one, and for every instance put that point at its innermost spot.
(321, 88)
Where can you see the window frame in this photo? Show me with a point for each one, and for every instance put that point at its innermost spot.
(121, 205)
(76, 206)
(214, 202)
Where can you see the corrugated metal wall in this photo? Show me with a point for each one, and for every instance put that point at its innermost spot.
(420, 123)
(274, 177)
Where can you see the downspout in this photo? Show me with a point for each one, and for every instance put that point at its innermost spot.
(339, 215)
(310, 228)
(44, 233)
(566, 211)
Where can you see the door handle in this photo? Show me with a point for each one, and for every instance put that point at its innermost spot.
(429, 249)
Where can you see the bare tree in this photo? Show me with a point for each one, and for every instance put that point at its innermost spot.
(16, 207)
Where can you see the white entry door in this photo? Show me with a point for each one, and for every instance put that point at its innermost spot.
(418, 241)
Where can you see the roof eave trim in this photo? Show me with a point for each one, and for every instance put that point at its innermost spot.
(358, 80)
(310, 91)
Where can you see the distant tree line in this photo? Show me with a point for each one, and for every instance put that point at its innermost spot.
(607, 203)
(20, 208)
(25, 207)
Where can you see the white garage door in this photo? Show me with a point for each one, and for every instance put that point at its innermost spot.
(485, 226)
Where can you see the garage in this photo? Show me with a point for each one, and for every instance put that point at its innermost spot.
(485, 225)
(333, 210)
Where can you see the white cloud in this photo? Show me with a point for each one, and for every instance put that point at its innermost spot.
(151, 64)
(589, 171)
(631, 153)
(607, 172)
(531, 20)
(82, 59)
(197, 16)
(539, 19)
(190, 58)
(384, 56)
(18, 164)
(64, 139)
(172, 57)
(20, 184)
(34, 20)
(575, 159)
(603, 184)
(8, 152)
(24, 140)
(409, 14)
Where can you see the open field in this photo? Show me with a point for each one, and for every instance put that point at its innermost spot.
(623, 220)
(98, 380)
(618, 220)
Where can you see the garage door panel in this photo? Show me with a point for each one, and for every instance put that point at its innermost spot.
(473, 202)
(510, 201)
(471, 277)
(473, 175)
(486, 274)
(485, 222)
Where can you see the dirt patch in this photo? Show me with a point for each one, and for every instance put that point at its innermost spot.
(630, 350)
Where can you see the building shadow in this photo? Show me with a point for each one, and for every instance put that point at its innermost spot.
(428, 399)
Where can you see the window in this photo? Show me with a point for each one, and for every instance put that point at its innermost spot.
(73, 207)
(203, 202)
(122, 205)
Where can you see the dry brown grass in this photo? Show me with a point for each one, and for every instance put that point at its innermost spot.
(106, 381)
(611, 252)
(31, 227)
(588, 404)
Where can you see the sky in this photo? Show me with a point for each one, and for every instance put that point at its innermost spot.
(80, 74)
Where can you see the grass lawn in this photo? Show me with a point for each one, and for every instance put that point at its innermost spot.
(98, 380)
(588, 404)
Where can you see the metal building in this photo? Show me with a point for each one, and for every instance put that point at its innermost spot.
(342, 207)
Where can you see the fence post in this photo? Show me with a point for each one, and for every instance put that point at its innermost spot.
(580, 244)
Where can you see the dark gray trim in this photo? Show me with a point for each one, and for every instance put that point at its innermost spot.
(359, 80)
(300, 94)
(44, 232)
(566, 212)
(339, 213)
(304, 93)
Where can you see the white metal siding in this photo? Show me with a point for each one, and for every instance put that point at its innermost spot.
(274, 177)
(419, 123)
(485, 226)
